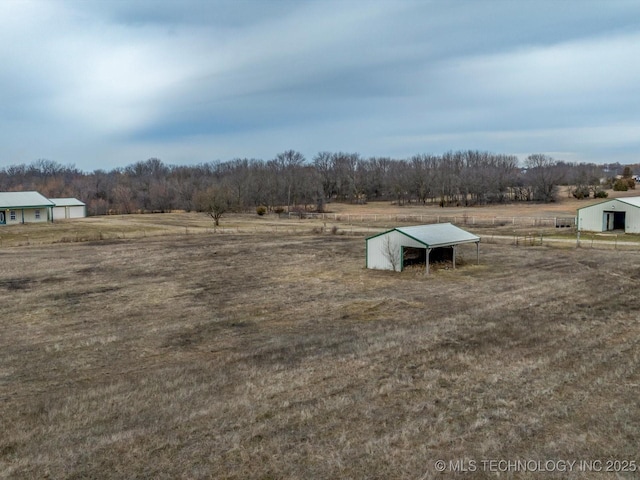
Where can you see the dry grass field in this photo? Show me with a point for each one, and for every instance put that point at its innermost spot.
(276, 354)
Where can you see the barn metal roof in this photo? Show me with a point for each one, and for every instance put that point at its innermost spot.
(435, 235)
(23, 200)
(635, 201)
(67, 202)
(439, 234)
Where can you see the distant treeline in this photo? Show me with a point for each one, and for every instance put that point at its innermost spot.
(291, 181)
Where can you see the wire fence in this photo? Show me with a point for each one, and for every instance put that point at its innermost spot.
(584, 240)
(558, 222)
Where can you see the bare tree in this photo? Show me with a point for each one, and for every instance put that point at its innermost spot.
(454, 178)
(391, 252)
(543, 176)
(324, 166)
(215, 202)
(289, 166)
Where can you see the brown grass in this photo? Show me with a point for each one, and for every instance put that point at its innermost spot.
(272, 355)
(565, 205)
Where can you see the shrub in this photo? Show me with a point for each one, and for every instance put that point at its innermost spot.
(261, 210)
(334, 229)
(600, 194)
(279, 210)
(631, 183)
(621, 185)
(581, 192)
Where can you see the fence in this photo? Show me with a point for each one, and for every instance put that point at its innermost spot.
(558, 222)
(590, 240)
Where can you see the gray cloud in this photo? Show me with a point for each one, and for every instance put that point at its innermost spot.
(109, 83)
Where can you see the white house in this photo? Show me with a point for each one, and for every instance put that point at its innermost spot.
(616, 214)
(24, 207)
(393, 249)
(68, 208)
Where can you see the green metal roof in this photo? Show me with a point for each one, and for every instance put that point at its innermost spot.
(67, 202)
(435, 235)
(439, 234)
(635, 201)
(23, 200)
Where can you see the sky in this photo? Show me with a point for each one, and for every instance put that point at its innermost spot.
(102, 84)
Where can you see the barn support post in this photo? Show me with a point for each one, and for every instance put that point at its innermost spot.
(453, 248)
(478, 253)
(427, 262)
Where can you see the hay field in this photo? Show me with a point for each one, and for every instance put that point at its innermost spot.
(276, 355)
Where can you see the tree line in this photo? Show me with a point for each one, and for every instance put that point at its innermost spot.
(290, 181)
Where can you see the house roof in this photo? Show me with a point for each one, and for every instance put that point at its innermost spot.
(67, 202)
(23, 200)
(436, 235)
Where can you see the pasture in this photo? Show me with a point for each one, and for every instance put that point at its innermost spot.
(265, 353)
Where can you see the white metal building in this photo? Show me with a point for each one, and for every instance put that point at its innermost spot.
(616, 214)
(24, 207)
(68, 208)
(393, 249)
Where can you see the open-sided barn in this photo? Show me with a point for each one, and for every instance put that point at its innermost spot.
(616, 214)
(393, 249)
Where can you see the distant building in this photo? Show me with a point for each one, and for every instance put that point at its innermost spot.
(622, 214)
(33, 207)
(68, 208)
(24, 207)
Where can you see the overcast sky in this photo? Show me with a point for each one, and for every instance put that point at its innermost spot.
(106, 83)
